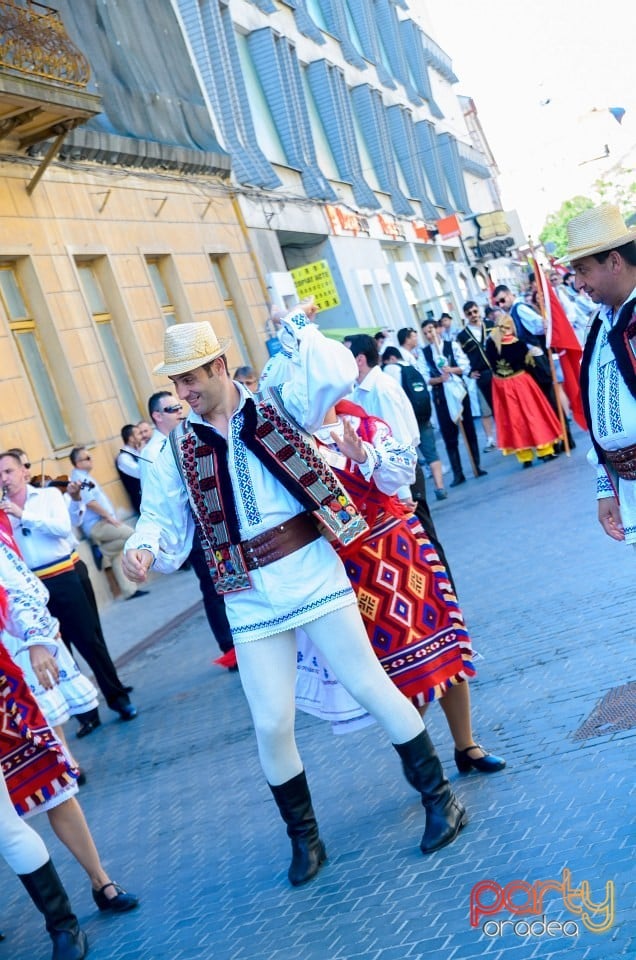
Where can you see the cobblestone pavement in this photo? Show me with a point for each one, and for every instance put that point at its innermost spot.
(183, 817)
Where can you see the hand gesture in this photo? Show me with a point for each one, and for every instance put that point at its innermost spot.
(350, 443)
(609, 516)
(136, 564)
(44, 666)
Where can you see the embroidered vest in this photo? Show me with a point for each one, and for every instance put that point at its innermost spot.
(287, 452)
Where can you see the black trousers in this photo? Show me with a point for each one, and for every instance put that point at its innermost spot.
(82, 572)
(450, 430)
(69, 604)
(213, 602)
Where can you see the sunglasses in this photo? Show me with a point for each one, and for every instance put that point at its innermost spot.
(501, 302)
(27, 465)
(177, 408)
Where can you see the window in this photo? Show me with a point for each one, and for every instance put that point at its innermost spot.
(161, 291)
(219, 267)
(112, 351)
(23, 327)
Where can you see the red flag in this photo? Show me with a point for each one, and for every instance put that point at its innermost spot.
(560, 336)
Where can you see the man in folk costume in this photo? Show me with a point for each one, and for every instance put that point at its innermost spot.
(247, 472)
(602, 252)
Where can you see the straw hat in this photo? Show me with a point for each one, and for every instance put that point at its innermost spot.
(595, 231)
(187, 346)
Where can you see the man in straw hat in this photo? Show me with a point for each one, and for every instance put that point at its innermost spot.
(252, 480)
(602, 252)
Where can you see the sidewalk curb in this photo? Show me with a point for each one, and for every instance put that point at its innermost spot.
(158, 634)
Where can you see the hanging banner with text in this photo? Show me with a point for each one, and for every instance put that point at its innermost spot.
(315, 280)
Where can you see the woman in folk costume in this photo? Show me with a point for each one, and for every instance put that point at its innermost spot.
(29, 628)
(36, 775)
(410, 611)
(524, 419)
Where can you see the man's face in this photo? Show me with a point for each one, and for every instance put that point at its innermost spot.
(505, 300)
(168, 415)
(204, 393)
(12, 476)
(135, 439)
(411, 341)
(473, 315)
(26, 466)
(598, 280)
(145, 431)
(428, 333)
(84, 461)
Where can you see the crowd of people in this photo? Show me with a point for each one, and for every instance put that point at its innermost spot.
(318, 466)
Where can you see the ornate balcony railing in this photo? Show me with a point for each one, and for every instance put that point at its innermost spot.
(34, 41)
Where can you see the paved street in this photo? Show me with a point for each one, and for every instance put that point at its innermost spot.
(183, 817)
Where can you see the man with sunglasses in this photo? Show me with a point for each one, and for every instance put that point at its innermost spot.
(472, 339)
(166, 412)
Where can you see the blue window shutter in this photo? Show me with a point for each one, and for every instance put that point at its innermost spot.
(375, 128)
(449, 155)
(406, 149)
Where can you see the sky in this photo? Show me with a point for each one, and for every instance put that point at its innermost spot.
(543, 75)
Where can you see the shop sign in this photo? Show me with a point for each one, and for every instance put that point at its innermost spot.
(391, 228)
(494, 234)
(449, 227)
(315, 280)
(344, 221)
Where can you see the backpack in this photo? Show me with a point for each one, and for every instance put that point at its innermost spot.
(415, 388)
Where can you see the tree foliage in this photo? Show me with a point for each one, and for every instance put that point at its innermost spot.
(555, 231)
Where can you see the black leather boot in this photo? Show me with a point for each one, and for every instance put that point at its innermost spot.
(49, 896)
(445, 815)
(308, 850)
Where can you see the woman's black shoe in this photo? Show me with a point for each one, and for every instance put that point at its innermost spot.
(118, 904)
(486, 764)
(87, 726)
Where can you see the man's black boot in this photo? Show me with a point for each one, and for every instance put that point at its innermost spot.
(49, 896)
(445, 815)
(308, 851)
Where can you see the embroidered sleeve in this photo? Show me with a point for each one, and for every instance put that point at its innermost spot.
(29, 620)
(165, 526)
(393, 462)
(604, 486)
(326, 373)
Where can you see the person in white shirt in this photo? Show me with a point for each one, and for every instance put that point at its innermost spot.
(602, 251)
(251, 474)
(42, 529)
(446, 364)
(128, 464)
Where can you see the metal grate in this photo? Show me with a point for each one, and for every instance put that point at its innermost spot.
(616, 711)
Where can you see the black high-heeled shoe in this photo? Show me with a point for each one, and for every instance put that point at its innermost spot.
(118, 904)
(486, 764)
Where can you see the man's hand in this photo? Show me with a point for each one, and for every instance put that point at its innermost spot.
(12, 508)
(74, 490)
(44, 666)
(609, 516)
(136, 564)
(475, 375)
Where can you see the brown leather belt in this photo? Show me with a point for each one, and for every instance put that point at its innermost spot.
(280, 541)
(623, 461)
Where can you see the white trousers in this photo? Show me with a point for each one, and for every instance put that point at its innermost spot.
(268, 673)
(20, 845)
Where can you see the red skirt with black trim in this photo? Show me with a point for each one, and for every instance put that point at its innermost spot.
(523, 416)
(34, 764)
(411, 613)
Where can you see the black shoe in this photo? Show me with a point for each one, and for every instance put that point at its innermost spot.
(87, 726)
(526, 464)
(81, 779)
(486, 764)
(457, 480)
(129, 689)
(482, 473)
(138, 593)
(129, 712)
(120, 903)
(547, 457)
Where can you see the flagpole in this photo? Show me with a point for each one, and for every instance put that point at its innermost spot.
(544, 314)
